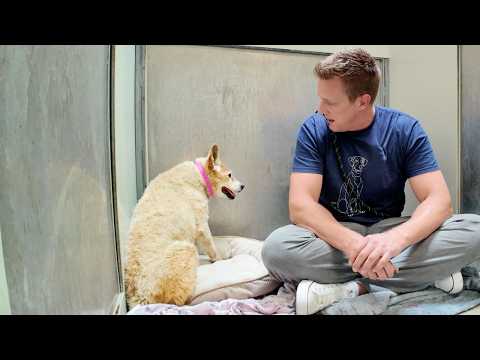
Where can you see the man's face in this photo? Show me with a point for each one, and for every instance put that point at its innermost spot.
(336, 106)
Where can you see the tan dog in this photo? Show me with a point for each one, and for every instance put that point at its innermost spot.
(169, 219)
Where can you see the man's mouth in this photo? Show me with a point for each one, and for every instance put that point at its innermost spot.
(329, 121)
(230, 194)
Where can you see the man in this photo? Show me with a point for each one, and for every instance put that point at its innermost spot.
(351, 162)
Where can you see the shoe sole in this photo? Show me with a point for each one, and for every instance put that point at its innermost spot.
(301, 301)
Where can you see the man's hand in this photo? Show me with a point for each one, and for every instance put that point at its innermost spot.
(373, 261)
(355, 246)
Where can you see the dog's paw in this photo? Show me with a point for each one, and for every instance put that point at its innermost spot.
(215, 258)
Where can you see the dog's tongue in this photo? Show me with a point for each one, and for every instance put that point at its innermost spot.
(230, 194)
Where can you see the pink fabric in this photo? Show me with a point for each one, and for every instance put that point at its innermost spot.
(206, 180)
(280, 304)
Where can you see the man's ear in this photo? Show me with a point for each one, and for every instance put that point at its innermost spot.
(212, 156)
(365, 100)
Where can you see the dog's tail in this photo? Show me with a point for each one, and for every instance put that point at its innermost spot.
(177, 275)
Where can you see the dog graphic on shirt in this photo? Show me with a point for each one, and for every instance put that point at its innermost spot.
(349, 198)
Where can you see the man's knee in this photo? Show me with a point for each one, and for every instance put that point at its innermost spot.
(472, 221)
(293, 253)
(273, 249)
(473, 224)
(277, 248)
(467, 224)
(465, 220)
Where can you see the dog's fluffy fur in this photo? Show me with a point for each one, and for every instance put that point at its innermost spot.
(169, 219)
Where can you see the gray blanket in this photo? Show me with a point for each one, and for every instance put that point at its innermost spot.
(427, 302)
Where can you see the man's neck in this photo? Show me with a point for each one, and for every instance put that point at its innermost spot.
(366, 118)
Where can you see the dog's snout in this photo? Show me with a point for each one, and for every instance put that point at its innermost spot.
(242, 187)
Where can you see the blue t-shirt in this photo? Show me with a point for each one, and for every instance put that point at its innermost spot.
(376, 162)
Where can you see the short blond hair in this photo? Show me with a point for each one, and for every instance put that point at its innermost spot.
(356, 68)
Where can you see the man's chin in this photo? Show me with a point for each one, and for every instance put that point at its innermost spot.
(333, 126)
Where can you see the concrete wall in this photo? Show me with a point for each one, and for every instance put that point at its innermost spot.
(470, 114)
(251, 103)
(55, 179)
(423, 83)
(374, 50)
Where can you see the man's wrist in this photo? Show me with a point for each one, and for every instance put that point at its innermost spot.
(401, 238)
(353, 239)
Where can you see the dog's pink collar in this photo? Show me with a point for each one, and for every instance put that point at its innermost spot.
(206, 180)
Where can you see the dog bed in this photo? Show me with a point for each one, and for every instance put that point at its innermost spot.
(239, 275)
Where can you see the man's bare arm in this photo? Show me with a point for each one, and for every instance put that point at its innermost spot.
(305, 211)
(435, 207)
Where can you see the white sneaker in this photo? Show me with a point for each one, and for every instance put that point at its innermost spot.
(313, 297)
(452, 284)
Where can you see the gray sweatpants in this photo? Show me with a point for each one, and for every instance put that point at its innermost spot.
(292, 253)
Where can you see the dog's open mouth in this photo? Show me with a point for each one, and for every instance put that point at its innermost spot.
(230, 194)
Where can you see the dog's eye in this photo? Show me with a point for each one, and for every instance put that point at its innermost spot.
(230, 175)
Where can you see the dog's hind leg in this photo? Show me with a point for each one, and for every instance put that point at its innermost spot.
(131, 270)
(176, 276)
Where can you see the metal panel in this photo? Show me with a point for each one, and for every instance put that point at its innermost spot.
(251, 103)
(55, 179)
(470, 127)
(141, 179)
(4, 297)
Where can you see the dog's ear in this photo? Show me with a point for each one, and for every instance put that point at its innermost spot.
(214, 151)
(212, 156)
